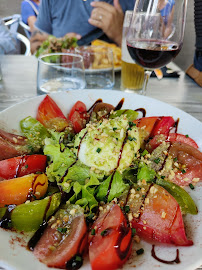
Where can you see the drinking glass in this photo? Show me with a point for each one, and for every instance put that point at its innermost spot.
(60, 72)
(99, 66)
(132, 75)
(156, 33)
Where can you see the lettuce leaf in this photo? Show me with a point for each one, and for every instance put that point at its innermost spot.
(85, 194)
(117, 187)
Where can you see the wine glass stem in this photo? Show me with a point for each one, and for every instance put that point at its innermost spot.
(147, 75)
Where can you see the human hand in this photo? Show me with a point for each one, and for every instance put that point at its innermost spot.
(108, 18)
(71, 35)
(37, 38)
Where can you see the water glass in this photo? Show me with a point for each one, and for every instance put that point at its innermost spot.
(132, 75)
(99, 66)
(60, 72)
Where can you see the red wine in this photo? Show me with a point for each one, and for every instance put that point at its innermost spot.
(153, 54)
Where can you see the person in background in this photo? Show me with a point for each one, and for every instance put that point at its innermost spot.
(8, 42)
(29, 12)
(195, 70)
(100, 19)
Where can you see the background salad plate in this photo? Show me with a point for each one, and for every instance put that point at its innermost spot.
(13, 252)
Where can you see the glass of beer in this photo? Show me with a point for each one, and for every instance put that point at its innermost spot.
(132, 75)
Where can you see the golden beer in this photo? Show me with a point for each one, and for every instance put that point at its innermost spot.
(132, 76)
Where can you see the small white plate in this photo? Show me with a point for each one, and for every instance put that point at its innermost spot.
(14, 255)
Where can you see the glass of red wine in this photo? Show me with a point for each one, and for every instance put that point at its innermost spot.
(156, 33)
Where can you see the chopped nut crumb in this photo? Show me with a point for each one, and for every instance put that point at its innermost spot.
(163, 215)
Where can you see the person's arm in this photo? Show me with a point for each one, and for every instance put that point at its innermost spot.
(42, 26)
(109, 18)
(31, 21)
(28, 14)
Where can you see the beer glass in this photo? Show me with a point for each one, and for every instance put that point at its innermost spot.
(132, 75)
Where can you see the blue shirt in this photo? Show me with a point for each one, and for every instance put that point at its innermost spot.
(59, 17)
(27, 10)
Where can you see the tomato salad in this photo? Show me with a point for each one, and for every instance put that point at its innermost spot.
(95, 182)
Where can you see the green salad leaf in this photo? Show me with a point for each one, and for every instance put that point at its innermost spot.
(115, 184)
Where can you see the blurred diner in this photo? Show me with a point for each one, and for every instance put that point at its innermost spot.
(97, 19)
(29, 12)
(195, 70)
(8, 42)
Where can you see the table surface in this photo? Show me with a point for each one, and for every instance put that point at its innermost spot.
(19, 75)
(19, 82)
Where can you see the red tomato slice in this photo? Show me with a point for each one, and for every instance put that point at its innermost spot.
(57, 247)
(13, 138)
(22, 165)
(111, 245)
(191, 158)
(146, 122)
(79, 106)
(171, 137)
(176, 137)
(48, 110)
(161, 219)
(78, 122)
(162, 125)
(155, 142)
(12, 145)
(155, 125)
(78, 116)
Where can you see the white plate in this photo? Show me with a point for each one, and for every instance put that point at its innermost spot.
(13, 254)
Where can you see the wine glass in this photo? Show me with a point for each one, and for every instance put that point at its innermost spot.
(156, 33)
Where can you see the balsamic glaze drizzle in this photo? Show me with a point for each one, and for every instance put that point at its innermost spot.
(96, 102)
(119, 105)
(118, 162)
(175, 127)
(176, 260)
(19, 167)
(32, 190)
(143, 202)
(142, 110)
(123, 232)
(6, 219)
